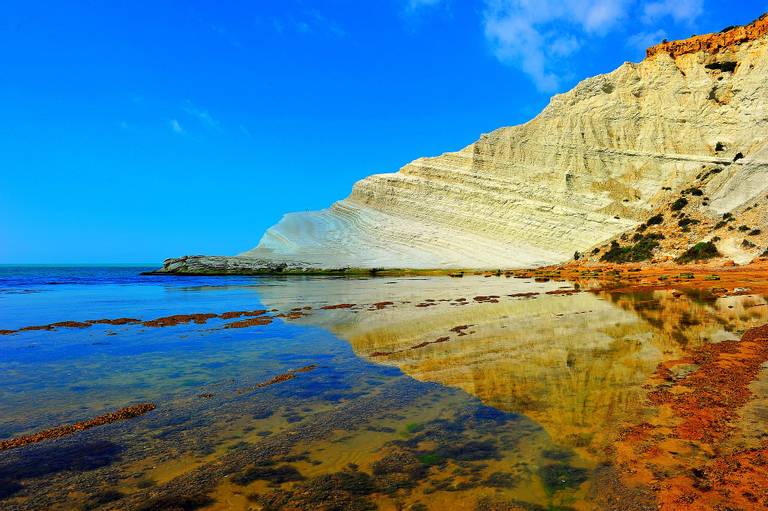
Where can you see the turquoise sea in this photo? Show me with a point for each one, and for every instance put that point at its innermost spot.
(402, 393)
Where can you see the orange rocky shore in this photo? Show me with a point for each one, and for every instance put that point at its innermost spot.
(713, 43)
(723, 278)
(681, 452)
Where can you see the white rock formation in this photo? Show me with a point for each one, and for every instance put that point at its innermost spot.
(591, 165)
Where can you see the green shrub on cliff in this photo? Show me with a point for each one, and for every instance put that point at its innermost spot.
(679, 204)
(655, 220)
(699, 252)
(642, 250)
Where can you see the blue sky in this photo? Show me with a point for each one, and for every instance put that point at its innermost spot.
(131, 131)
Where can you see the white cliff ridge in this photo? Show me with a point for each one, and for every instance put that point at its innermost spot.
(594, 163)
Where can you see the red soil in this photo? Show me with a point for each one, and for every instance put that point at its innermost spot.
(427, 343)
(718, 388)
(117, 321)
(634, 277)
(459, 329)
(177, 319)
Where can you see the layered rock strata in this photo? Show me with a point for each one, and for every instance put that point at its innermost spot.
(593, 164)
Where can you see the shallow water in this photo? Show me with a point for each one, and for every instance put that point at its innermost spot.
(455, 395)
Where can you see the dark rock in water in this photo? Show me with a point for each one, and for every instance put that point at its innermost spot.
(488, 413)
(276, 474)
(488, 503)
(473, 450)
(48, 460)
(171, 503)
(399, 462)
(399, 469)
(558, 454)
(103, 498)
(9, 488)
(348, 490)
(502, 480)
(561, 476)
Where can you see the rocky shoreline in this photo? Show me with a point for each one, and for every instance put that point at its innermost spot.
(199, 265)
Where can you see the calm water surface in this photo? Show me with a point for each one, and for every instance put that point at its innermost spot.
(437, 400)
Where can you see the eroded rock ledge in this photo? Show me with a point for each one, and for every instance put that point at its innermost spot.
(713, 43)
(244, 265)
(235, 265)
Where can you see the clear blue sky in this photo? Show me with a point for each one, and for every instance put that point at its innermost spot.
(131, 131)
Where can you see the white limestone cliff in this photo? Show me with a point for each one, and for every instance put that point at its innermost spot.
(591, 165)
(597, 162)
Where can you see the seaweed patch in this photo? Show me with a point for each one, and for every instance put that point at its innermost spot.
(68, 429)
(289, 375)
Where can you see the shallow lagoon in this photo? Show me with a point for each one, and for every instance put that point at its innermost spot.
(459, 394)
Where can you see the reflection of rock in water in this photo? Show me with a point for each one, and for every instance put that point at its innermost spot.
(575, 363)
(692, 317)
(571, 362)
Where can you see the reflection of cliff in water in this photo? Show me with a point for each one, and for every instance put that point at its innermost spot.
(575, 363)
(691, 317)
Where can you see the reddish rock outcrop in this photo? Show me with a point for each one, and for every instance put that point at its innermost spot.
(713, 43)
(238, 314)
(68, 429)
(338, 306)
(245, 323)
(278, 379)
(179, 319)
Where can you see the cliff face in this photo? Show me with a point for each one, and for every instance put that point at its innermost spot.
(592, 165)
